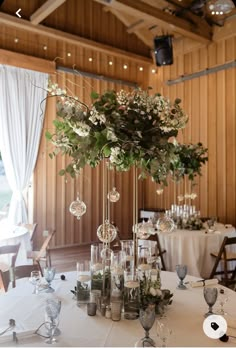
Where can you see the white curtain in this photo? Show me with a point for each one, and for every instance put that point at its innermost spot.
(21, 120)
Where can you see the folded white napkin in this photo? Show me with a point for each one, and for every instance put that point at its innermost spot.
(8, 336)
(201, 283)
(231, 330)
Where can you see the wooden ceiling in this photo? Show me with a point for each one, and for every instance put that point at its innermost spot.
(91, 22)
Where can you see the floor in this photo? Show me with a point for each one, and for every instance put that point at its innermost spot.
(64, 259)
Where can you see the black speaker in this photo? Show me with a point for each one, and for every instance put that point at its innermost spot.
(163, 50)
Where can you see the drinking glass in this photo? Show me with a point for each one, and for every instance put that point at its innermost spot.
(181, 272)
(52, 311)
(210, 295)
(223, 298)
(163, 332)
(147, 318)
(49, 274)
(35, 278)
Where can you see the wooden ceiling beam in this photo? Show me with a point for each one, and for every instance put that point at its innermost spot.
(59, 35)
(199, 30)
(45, 10)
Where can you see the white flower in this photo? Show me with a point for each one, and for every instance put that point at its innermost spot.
(111, 135)
(115, 152)
(82, 129)
(153, 291)
(96, 117)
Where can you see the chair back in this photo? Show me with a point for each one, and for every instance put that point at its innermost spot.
(31, 228)
(24, 271)
(10, 249)
(5, 280)
(225, 256)
(43, 250)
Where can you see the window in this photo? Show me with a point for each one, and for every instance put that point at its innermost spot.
(5, 191)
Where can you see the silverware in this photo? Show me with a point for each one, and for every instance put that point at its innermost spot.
(12, 324)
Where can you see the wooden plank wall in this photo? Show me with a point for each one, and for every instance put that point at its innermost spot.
(211, 105)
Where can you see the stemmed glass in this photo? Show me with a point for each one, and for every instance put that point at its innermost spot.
(52, 311)
(181, 272)
(163, 332)
(35, 278)
(49, 274)
(210, 295)
(147, 318)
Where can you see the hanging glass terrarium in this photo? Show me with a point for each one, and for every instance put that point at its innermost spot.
(78, 208)
(113, 195)
(106, 232)
(165, 224)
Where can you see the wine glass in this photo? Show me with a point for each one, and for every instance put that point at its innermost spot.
(181, 272)
(210, 295)
(52, 311)
(35, 278)
(163, 332)
(147, 318)
(223, 298)
(49, 274)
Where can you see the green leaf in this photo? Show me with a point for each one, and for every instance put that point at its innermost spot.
(94, 95)
(48, 135)
(51, 155)
(62, 172)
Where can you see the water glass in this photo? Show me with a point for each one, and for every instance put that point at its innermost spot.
(210, 295)
(49, 274)
(163, 332)
(52, 311)
(35, 278)
(181, 272)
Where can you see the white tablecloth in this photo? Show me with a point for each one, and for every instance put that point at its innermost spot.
(193, 248)
(10, 235)
(184, 316)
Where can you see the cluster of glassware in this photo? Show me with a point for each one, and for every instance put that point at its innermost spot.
(185, 216)
(35, 279)
(111, 280)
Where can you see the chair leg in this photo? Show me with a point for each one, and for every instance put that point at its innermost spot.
(40, 268)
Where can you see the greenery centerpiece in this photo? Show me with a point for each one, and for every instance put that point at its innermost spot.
(129, 128)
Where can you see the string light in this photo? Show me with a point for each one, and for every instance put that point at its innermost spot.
(130, 65)
(153, 71)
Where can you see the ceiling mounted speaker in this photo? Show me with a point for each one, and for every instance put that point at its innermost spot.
(163, 50)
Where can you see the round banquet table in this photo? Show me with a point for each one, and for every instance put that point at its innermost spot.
(193, 248)
(10, 235)
(185, 317)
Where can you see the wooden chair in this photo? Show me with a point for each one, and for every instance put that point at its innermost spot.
(223, 256)
(31, 228)
(159, 251)
(5, 279)
(24, 271)
(43, 254)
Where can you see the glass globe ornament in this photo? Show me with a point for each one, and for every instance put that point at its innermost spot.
(78, 208)
(165, 224)
(145, 229)
(113, 195)
(106, 232)
(106, 254)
